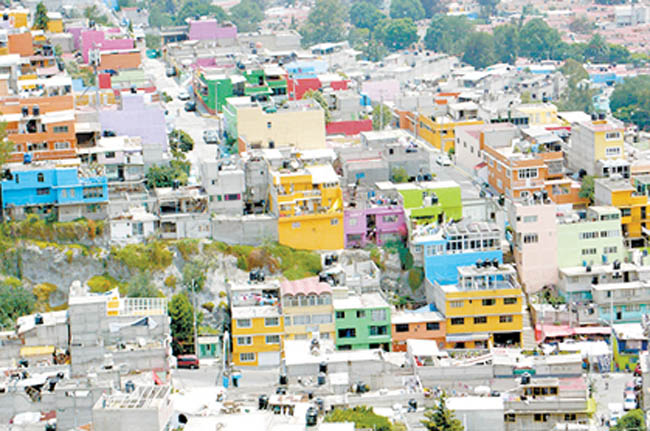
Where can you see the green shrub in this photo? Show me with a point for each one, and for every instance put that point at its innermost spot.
(416, 277)
(187, 247)
(149, 257)
(104, 283)
(363, 418)
(171, 281)
(208, 306)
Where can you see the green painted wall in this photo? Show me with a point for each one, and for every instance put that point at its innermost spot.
(362, 326)
(570, 244)
(449, 203)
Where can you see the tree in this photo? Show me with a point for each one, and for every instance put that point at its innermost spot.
(479, 50)
(399, 175)
(581, 25)
(488, 8)
(152, 41)
(198, 8)
(365, 15)
(630, 101)
(40, 17)
(380, 121)
(398, 33)
(440, 418)
(180, 140)
(15, 301)
(181, 326)
(506, 43)
(618, 54)
(164, 175)
(363, 418)
(317, 97)
(141, 286)
(597, 49)
(6, 146)
(433, 7)
(194, 274)
(587, 188)
(448, 34)
(373, 50)
(633, 420)
(539, 41)
(406, 9)
(325, 23)
(157, 16)
(246, 15)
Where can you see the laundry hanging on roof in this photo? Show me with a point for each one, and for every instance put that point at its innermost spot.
(144, 321)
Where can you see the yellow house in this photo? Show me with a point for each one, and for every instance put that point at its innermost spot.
(538, 113)
(598, 148)
(307, 309)
(18, 17)
(55, 22)
(308, 202)
(484, 309)
(299, 123)
(257, 327)
(440, 131)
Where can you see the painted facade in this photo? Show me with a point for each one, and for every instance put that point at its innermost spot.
(376, 225)
(416, 325)
(307, 308)
(362, 322)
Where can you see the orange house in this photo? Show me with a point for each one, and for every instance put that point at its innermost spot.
(21, 43)
(517, 172)
(42, 126)
(118, 60)
(427, 325)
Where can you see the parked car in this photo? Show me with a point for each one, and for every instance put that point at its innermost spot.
(443, 160)
(211, 136)
(637, 371)
(190, 106)
(629, 387)
(629, 401)
(183, 95)
(187, 361)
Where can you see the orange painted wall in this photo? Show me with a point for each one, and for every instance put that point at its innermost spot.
(122, 60)
(417, 331)
(21, 43)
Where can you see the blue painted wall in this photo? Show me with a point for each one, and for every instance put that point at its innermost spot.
(441, 268)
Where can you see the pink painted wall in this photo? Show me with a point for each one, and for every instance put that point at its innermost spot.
(385, 90)
(348, 128)
(90, 38)
(211, 30)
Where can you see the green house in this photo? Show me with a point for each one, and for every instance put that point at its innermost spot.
(431, 201)
(362, 322)
(209, 347)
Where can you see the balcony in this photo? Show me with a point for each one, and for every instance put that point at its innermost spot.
(549, 404)
(527, 183)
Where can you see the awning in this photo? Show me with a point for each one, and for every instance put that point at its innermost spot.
(460, 338)
(28, 351)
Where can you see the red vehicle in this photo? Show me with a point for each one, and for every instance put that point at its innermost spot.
(637, 371)
(187, 361)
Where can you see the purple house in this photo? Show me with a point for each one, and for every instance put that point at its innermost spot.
(97, 39)
(137, 118)
(209, 29)
(376, 225)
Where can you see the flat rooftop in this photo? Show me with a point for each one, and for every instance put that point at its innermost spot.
(366, 300)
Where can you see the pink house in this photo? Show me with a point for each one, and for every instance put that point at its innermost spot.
(376, 225)
(210, 29)
(97, 39)
(535, 244)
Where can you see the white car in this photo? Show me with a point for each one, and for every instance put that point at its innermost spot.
(183, 95)
(629, 403)
(443, 160)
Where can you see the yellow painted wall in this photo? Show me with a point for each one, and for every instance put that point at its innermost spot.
(19, 18)
(312, 232)
(473, 307)
(55, 26)
(293, 330)
(304, 129)
(440, 135)
(258, 331)
(539, 114)
(601, 144)
(631, 223)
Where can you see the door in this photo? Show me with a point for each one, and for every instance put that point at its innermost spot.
(268, 359)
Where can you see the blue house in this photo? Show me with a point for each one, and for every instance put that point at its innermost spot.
(443, 249)
(44, 189)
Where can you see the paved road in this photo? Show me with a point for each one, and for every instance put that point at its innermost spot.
(194, 123)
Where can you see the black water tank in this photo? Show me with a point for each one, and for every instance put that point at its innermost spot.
(322, 367)
(413, 403)
(321, 379)
(311, 418)
(283, 379)
(129, 387)
(38, 319)
(262, 402)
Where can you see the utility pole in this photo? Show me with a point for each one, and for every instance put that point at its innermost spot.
(196, 339)
(611, 326)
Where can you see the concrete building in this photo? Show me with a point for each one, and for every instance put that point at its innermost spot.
(307, 309)
(182, 212)
(64, 193)
(224, 182)
(421, 324)
(471, 139)
(595, 141)
(147, 408)
(362, 321)
(121, 157)
(372, 219)
(632, 203)
(132, 226)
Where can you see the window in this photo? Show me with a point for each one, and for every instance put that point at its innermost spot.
(378, 330)
(509, 301)
(64, 193)
(61, 145)
(402, 327)
(509, 417)
(302, 319)
(489, 302)
(610, 250)
(588, 235)
(340, 314)
(268, 125)
(569, 417)
(347, 333)
(93, 192)
(334, 221)
(588, 251)
(247, 357)
(60, 129)
(353, 221)
(287, 321)
(321, 318)
(530, 238)
(244, 323)
(530, 219)
(433, 326)
(390, 218)
(17, 179)
(378, 315)
(505, 319)
(295, 225)
(612, 151)
(541, 417)
(632, 307)
(361, 314)
(232, 197)
(457, 304)
(109, 154)
(272, 339)
(527, 173)
(480, 320)
(610, 136)
(271, 321)
(626, 212)
(244, 341)
(43, 191)
(40, 177)
(457, 321)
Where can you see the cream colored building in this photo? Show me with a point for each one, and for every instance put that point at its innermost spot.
(297, 123)
(307, 309)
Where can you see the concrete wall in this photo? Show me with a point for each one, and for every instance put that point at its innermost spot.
(430, 375)
(249, 230)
